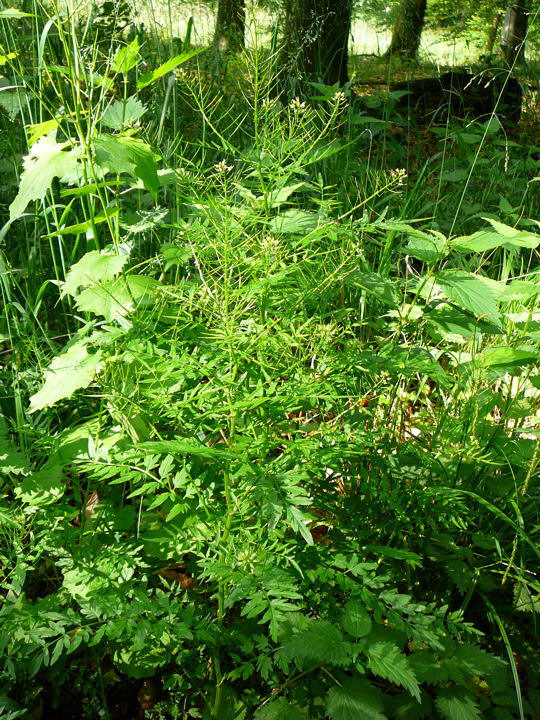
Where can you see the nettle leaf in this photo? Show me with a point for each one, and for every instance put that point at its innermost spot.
(507, 356)
(383, 288)
(12, 460)
(129, 155)
(116, 299)
(356, 699)
(127, 57)
(92, 268)
(47, 160)
(297, 222)
(356, 620)
(500, 236)
(386, 660)
(426, 248)
(476, 661)
(521, 290)
(72, 371)
(470, 292)
(44, 487)
(122, 113)
(320, 642)
(279, 709)
(150, 77)
(457, 707)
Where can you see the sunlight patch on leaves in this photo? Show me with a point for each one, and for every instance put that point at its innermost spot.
(72, 371)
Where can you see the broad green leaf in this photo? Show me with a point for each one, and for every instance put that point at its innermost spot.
(279, 709)
(356, 699)
(455, 323)
(299, 222)
(386, 660)
(43, 487)
(127, 57)
(500, 236)
(476, 661)
(356, 620)
(13, 100)
(458, 706)
(162, 70)
(319, 643)
(40, 129)
(122, 113)
(427, 249)
(47, 160)
(457, 175)
(383, 288)
(117, 298)
(507, 356)
(12, 460)
(520, 290)
(280, 196)
(129, 155)
(94, 267)
(73, 370)
(470, 292)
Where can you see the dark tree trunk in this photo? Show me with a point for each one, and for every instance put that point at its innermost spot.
(230, 25)
(316, 40)
(408, 28)
(492, 34)
(514, 31)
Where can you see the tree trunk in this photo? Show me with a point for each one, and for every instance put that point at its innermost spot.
(408, 29)
(492, 34)
(316, 40)
(514, 31)
(230, 25)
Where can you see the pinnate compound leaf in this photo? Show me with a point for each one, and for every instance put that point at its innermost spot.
(72, 371)
(470, 292)
(457, 707)
(129, 155)
(386, 660)
(356, 620)
(92, 268)
(318, 643)
(356, 699)
(122, 113)
(46, 160)
(117, 298)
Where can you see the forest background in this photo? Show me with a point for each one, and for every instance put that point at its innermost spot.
(269, 360)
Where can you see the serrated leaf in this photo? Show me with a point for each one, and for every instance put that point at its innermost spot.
(428, 249)
(507, 356)
(520, 290)
(386, 660)
(294, 222)
(500, 236)
(383, 288)
(356, 620)
(92, 268)
(279, 709)
(457, 707)
(476, 661)
(43, 487)
(320, 642)
(129, 155)
(47, 160)
(162, 70)
(116, 299)
(122, 113)
(356, 699)
(469, 292)
(72, 371)
(127, 57)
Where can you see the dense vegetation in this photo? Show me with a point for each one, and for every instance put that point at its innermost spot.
(269, 386)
